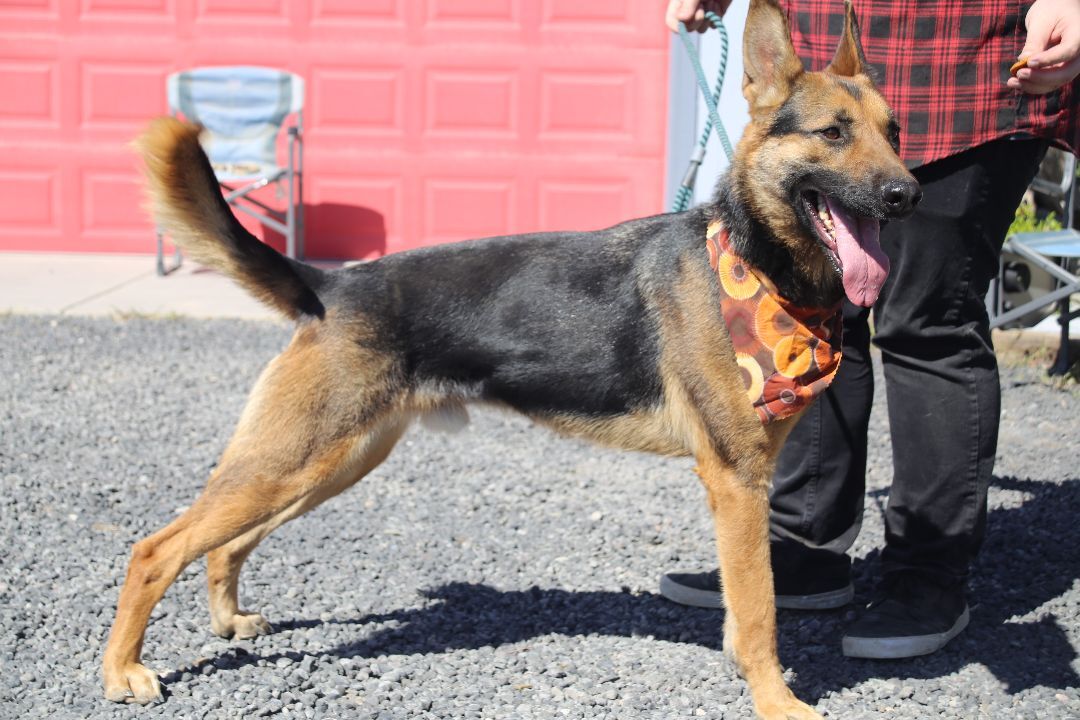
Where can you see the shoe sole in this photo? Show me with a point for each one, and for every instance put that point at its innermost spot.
(713, 600)
(895, 648)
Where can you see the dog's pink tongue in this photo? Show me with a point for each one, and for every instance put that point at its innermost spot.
(864, 263)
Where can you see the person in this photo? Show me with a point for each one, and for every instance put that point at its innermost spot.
(973, 135)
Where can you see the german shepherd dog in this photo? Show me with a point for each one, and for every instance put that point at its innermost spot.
(614, 335)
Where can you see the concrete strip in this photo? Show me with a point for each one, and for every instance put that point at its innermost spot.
(73, 284)
(191, 291)
(54, 282)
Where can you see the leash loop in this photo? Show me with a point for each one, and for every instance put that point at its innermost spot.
(686, 187)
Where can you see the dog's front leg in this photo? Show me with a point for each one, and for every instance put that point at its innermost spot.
(740, 506)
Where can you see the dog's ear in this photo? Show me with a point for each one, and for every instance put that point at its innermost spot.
(769, 60)
(849, 59)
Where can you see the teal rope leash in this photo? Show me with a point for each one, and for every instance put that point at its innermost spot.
(686, 189)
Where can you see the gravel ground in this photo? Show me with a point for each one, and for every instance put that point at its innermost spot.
(500, 572)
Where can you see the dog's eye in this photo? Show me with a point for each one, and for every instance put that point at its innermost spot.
(894, 136)
(831, 133)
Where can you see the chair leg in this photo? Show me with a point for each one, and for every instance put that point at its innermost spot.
(290, 214)
(290, 223)
(178, 257)
(160, 255)
(1061, 362)
(299, 217)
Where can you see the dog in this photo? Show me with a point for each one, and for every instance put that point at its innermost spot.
(615, 335)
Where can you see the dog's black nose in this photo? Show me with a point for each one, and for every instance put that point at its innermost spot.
(900, 196)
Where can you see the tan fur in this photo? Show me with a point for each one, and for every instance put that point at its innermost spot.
(330, 408)
(762, 159)
(178, 200)
(766, 158)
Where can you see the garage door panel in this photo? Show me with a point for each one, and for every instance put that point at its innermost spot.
(118, 97)
(384, 22)
(477, 15)
(31, 92)
(125, 13)
(125, 10)
(355, 214)
(30, 201)
(378, 12)
(475, 104)
(584, 204)
(426, 120)
(111, 209)
(358, 102)
(31, 17)
(600, 109)
(267, 18)
(455, 208)
(632, 23)
(586, 105)
(209, 49)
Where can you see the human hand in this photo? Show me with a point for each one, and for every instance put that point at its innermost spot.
(692, 12)
(1052, 49)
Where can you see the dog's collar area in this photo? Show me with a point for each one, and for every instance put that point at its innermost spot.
(787, 355)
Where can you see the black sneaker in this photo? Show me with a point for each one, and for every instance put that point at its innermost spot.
(806, 590)
(916, 616)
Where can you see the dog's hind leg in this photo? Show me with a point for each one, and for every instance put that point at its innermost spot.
(240, 505)
(222, 513)
(224, 563)
(311, 429)
(739, 502)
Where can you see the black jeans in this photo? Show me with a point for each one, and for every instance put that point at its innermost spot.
(941, 383)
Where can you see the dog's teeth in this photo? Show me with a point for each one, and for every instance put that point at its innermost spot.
(824, 214)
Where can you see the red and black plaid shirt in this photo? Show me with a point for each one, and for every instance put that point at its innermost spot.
(942, 65)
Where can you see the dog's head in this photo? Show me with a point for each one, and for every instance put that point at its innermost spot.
(818, 164)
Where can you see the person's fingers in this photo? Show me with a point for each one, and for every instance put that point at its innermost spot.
(1038, 38)
(1040, 81)
(689, 9)
(698, 23)
(1053, 33)
(692, 13)
(671, 17)
(1054, 56)
(1066, 50)
(681, 11)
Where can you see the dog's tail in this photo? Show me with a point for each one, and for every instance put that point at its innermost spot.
(187, 202)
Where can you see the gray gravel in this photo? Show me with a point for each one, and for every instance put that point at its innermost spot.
(500, 572)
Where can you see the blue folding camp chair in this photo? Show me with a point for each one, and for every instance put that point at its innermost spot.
(244, 110)
(1053, 251)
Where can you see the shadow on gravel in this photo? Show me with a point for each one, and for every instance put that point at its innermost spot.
(1029, 558)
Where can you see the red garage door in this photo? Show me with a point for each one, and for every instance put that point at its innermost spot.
(427, 120)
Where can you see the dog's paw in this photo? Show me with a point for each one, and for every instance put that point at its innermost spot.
(241, 626)
(134, 683)
(789, 709)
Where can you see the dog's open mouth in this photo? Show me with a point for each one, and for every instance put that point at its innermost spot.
(852, 244)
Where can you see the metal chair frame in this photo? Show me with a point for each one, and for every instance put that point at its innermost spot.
(289, 222)
(1039, 248)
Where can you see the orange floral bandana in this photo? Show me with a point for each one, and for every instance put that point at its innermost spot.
(787, 355)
